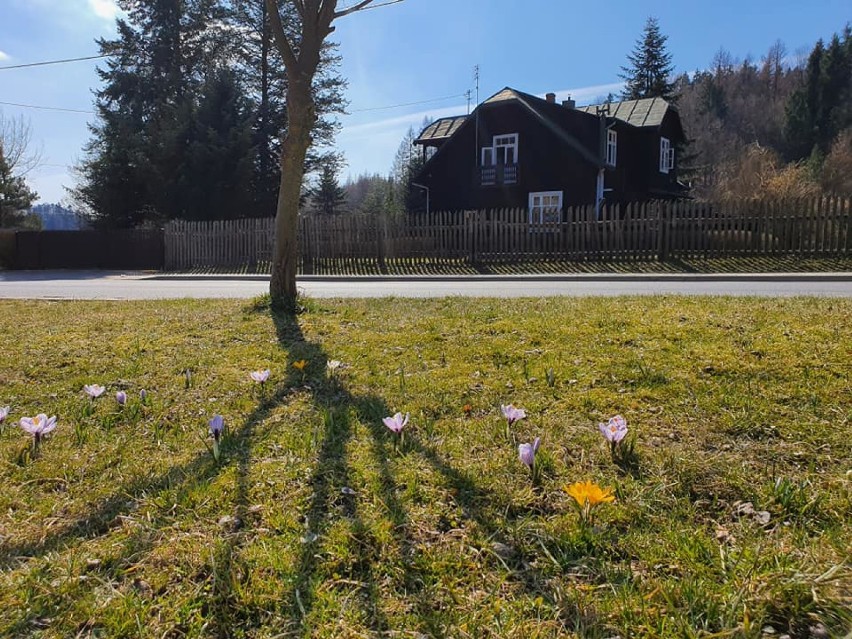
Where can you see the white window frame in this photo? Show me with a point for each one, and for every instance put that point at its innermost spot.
(611, 147)
(505, 141)
(667, 155)
(537, 209)
(489, 150)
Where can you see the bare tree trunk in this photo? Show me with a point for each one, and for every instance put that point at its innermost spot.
(301, 65)
(301, 116)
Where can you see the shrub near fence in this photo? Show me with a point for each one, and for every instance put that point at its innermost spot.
(640, 232)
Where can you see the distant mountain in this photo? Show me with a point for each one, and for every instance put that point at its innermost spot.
(57, 218)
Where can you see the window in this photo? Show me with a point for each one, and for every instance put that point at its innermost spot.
(611, 147)
(488, 156)
(546, 207)
(506, 148)
(667, 155)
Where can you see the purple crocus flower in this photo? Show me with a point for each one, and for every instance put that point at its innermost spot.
(217, 425)
(614, 430)
(143, 395)
(512, 414)
(527, 452)
(93, 390)
(396, 423)
(260, 376)
(38, 427)
(121, 398)
(4, 413)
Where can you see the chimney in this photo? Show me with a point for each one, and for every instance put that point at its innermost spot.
(569, 103)
(551, 98)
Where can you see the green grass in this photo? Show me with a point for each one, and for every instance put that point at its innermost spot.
(125, 526)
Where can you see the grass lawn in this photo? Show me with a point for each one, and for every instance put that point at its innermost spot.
(737, 516)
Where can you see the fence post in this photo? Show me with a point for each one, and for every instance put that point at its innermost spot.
(664, 231)
(381, 232)
(472, 228)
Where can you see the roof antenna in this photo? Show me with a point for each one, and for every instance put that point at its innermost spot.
(476, 136)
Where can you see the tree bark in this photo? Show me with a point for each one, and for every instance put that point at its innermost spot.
(301, 115)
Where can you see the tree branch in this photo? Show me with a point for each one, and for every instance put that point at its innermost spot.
(280, 35)
(361, 6)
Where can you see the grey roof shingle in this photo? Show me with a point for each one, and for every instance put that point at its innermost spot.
(441, 129)
(640, 113)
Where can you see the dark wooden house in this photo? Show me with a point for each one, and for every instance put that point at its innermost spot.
(519, 151)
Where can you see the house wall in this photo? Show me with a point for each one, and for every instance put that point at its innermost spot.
(637, 175)
(546, 161)
(550, 159)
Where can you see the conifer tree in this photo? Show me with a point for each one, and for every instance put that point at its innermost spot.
(820, 111)
(407, 164)
(649, 74)
(15, 196)
(328, 197)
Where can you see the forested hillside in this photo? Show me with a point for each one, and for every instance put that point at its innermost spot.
(780, 126)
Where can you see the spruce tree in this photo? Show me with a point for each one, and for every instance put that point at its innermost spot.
(820, 111)
(15, 197)
(328, 197)
(650, 70)
(215, 184)
(193, 94)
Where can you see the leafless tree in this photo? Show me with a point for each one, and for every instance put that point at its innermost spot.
(300, 51)
(16, 145)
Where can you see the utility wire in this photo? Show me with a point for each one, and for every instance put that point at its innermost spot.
(382, 108)
(47, 62)
(45, 108)
(396, 106)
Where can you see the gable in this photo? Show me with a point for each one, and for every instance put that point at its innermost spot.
(571, 128)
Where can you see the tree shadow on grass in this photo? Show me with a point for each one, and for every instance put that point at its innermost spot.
(332, 472)
(110, 514)
(361, 572)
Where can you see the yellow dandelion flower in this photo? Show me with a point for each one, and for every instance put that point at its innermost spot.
(300, 365)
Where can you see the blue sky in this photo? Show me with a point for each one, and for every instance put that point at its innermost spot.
(414, 51)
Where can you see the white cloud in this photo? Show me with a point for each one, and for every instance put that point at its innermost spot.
(106, 9)
(4, 56)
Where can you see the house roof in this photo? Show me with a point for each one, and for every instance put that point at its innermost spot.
(649, 112)
(558, 119)
(441, 129)
(555, 117)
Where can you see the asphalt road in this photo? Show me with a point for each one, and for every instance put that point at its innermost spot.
(125, 286)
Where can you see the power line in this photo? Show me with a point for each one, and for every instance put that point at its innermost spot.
(47, 62)
(381, 108)
(46, 108)
(397, 106)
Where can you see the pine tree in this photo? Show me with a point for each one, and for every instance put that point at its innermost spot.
(820, 111)
(220, 157)
(191, 113)
(650, 70)
(15, 197)
(328, 197)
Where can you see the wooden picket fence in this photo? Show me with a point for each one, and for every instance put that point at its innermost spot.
(646, 231)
